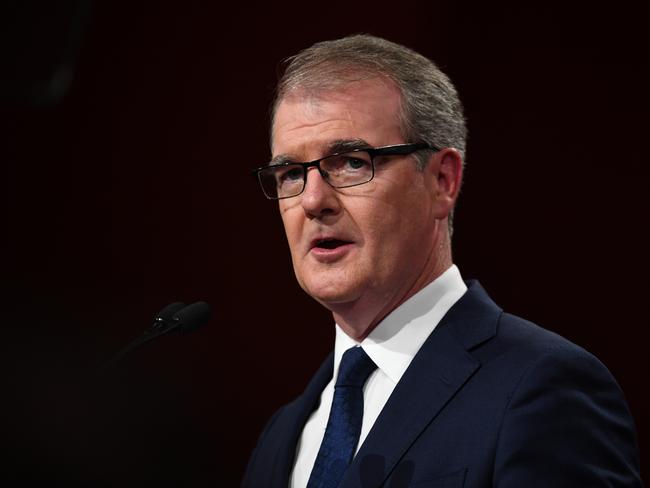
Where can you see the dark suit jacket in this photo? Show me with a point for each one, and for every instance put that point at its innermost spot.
(489, 400)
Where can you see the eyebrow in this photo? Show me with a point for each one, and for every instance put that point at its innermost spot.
(344, 145)
(334, 147)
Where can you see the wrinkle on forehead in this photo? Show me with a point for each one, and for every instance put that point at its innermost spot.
(310, 99)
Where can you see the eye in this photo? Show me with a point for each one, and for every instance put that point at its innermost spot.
(349, 162)
(289, 174)
(355, 163)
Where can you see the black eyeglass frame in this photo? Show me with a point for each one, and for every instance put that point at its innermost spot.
(394, 150)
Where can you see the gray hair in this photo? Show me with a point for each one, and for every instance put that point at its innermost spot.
(431, 111)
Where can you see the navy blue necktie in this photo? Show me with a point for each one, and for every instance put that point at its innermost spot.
(344, 424)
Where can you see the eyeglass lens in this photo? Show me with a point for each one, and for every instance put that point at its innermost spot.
(340, 171)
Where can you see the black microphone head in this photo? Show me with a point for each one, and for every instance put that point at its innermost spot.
(193, 316)
(166, 314)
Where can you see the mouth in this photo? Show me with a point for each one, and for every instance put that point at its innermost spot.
(330, 249)
(329, 243)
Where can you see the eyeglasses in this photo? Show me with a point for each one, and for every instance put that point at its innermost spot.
(341, 170)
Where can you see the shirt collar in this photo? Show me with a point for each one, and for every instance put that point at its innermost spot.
(395, 341)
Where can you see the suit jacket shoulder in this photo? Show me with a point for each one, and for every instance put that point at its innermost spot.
(489, 400)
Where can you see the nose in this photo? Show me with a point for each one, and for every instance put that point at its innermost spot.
(319, 198)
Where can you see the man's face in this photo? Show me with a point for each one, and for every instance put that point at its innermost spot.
(366, 246)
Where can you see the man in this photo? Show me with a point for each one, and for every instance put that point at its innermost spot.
(430, 382)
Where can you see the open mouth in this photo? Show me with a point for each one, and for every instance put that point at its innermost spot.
(330, 243)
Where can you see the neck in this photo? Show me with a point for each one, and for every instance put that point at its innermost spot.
(357, 319)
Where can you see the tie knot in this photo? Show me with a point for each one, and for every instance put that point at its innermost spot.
(355, 368)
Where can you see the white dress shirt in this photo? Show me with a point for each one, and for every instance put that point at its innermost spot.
(392, 345)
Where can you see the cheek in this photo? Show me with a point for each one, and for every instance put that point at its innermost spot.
(291, 224)
(396, 229)
(381, 234)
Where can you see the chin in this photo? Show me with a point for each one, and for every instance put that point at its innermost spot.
(330, 297)
(332, 285)
(330, 294)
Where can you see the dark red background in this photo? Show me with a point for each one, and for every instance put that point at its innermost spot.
(134, 191)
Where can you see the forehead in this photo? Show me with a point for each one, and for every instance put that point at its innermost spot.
(307, 121)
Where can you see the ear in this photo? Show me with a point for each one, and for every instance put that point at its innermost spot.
(447, 175)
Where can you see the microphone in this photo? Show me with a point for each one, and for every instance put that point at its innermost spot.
(174, 317)
(192, 317)
(177, 317)
(167, 313)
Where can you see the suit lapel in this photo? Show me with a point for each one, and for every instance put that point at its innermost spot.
(293, 420)
(438, 371)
